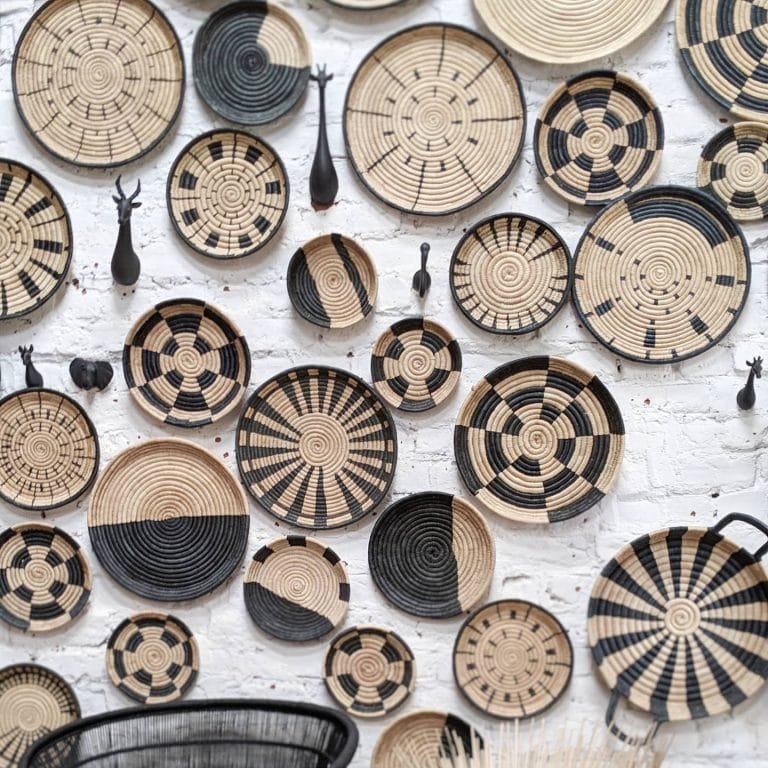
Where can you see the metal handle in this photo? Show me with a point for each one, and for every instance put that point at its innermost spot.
(749, 520)
(632, 741)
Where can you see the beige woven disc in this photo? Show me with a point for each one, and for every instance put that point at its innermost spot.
(98, 83)
(365, 5)
(434, 119)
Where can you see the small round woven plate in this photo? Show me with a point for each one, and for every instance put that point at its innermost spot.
(332, 282)
(369, 671)
(510, 274)
(512, 659)
(296, 589)
(597, 137)
(251, 62)
(661, 275)
(227, 194)
(365, 5)
(432, 555)
(153, 658)
(167, 521)
(98, 84)
(316, 447)
(539, 440)
(186, 364)
(434, 119)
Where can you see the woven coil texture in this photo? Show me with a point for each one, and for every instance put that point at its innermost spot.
(365, 5)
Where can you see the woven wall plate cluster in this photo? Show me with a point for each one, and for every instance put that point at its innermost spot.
(661, 275)
(432, 555)
(167, 520)
(251, 62)
(227, 194)
(597, 137)
(185, 363)
(153, 658)
(98, 84)
(434, 119)
(316, 447)
(510, 274)
(332, 281)
(296, 589)
(539, 440)
(512, 659)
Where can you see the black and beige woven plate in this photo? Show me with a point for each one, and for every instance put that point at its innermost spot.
(512, 659)
(510, 273)
(369, 671)
(597, 137)
(539, 440)
(167, 521)
(98, 84)
(432, 555)
(153, 658)
(434, 119)
(227, 194)
(296, 589)
(50, 453)
(661, 275)
(185, 363)
(316, 447)
(332, 281)
(251, 62)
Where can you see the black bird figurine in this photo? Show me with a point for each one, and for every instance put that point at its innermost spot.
(31, 375)
(323, 181)
(88, 374)
(746, 397)
(422, 280)
(125, 263)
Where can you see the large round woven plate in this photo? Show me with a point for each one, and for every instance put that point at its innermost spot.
(512, 659)
(98, 83)
(153, 658)
(227, 194)
(186, 364)
(251, 62)
(332, 281)
(316, 447)
(661, 275)
(510, 273)
(167, 520)
(296, 589)
(434, 119)
(597, 137)
(50, 452)
(432, 555)
(539, 440)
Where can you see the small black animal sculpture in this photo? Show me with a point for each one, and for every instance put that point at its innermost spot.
(323, 181)
(422, 280)
(746, 397)
(31, 375)
(88, 374)
(125, 263)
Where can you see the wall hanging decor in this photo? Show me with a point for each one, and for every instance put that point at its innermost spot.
(90, 374)
(434, 119)
(125, 265)
(365, 5)
(111, 93)
(745, 398)
(432, 555)
(32, 377)
(167, 521)
(323, 180)
(316, 447)
(422, 280)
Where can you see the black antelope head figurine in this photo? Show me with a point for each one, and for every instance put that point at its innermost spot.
(31, 375)
(126, 266)
(323, 181)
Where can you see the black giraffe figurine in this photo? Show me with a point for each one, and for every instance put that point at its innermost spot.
(746, 397)
(125, 263)
(323, 181)
(422, 280)
(31, 375)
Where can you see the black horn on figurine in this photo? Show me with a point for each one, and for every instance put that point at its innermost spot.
(323, 181)
(126, 266)
(31, 375)
(746, 397)
(88, 374)
(422, 280)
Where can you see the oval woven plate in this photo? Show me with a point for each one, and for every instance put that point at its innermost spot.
(432, 555)
(539, 440)
(167, 520)
(316, 447)
(227, 194)
(332, 281)
(662, 275)
(510, 274)
(512, 659)
(107, 95)
(434, 119)
(296, 589)
(251, 62)
(186, 364)
(597, 137)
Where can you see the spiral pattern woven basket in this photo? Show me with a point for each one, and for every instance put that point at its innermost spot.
(510, 274)
(167, 521)
(227, 194)
(598, 136)
(296, 589)
(434, 119)
(432, 555)
(332, 281)
(661, 275)
(98, 84)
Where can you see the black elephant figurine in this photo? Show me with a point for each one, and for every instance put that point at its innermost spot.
(88, 374)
